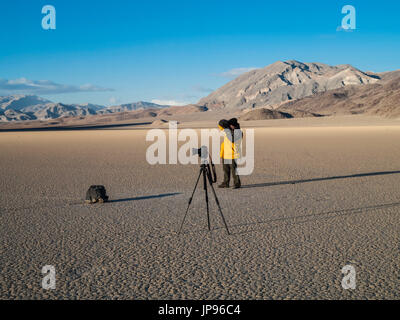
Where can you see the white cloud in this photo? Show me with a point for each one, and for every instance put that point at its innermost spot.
(24, 85)
(169, 102)
(235, 72)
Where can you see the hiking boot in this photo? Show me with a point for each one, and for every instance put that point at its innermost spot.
(223, 185)
(237, 186)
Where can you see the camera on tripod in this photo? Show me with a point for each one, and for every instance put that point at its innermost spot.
(201, 152)
(206, 162)
(207, 170)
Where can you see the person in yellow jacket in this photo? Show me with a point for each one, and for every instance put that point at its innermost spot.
(230, 150)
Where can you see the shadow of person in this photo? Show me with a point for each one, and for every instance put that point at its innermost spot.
(145, 197)
(358, 175)
(294, 220)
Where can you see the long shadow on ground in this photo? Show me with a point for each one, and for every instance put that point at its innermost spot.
(322, 215)
(145, 197)
(311, 217)
(358, 175)
(294, 220)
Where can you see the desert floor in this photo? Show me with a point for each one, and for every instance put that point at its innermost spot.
(320, 198)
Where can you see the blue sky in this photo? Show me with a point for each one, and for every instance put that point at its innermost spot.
(112, 52)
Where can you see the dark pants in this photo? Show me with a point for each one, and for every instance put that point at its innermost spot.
(229, 167)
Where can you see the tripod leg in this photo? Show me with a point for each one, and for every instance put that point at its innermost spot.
(190, 201)
(219, 207)
(206, 192)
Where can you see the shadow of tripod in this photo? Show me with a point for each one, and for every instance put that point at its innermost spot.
(205, 170)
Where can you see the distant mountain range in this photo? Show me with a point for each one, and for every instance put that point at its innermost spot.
(141, 105)
(291, 88)
(31, 107)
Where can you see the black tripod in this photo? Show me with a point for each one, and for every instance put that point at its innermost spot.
(207, 175)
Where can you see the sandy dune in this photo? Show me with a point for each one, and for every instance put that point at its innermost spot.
(320, 197)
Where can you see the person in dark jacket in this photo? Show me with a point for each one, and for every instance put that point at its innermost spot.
(230, 150)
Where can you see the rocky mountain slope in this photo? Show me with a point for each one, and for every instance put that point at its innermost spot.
(284, 81)
(382, 99)
(19, 102)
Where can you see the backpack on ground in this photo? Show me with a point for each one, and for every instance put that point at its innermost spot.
(96, 194)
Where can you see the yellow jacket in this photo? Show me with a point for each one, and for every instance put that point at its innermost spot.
(229, 149)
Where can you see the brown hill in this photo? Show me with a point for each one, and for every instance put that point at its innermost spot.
(175, 110)
(267, 114)
(159, 123)
(264, 114)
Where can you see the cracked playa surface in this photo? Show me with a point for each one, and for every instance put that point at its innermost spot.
(289, 240)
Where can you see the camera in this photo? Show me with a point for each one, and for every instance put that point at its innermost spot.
(201, 152)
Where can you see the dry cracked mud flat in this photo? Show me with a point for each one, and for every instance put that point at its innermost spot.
(319, 198)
